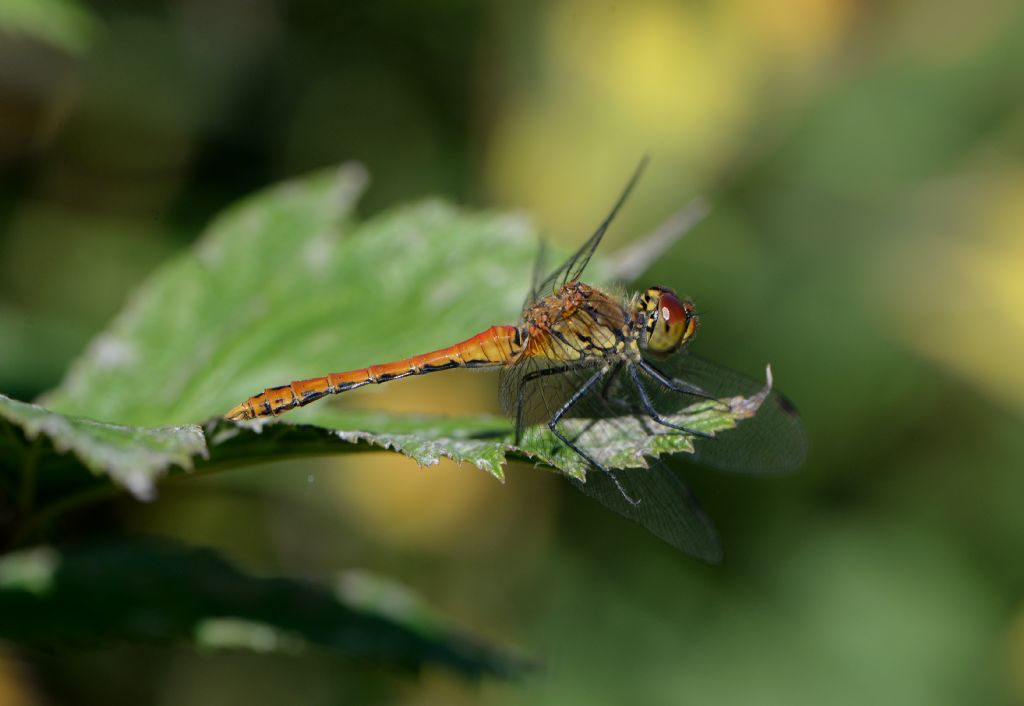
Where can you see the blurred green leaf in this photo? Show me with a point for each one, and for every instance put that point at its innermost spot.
(135, 590)
(35, 348)
(63, 23)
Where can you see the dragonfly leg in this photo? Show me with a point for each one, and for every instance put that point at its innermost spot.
(615, 401)
(645, 400)
(674, 384)
(569, 404)
(607, 387)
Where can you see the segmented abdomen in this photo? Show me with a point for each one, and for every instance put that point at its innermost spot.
(495, 346)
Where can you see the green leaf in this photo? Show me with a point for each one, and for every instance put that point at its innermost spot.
(483, 441)
(624, 442)
(62, 23)
(133, 591)
(130, 456)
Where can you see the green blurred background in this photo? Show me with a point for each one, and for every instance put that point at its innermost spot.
(867, 238)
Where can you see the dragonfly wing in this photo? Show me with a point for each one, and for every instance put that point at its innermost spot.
(572, 268)
(540, 265)
(535, 388)
(772, 441)
(666, 507)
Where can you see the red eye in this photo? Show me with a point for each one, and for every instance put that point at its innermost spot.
(673, 324)
(672, 310)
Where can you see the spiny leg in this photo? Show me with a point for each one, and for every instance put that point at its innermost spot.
(674, 384)
(645, 401)
(569, 404)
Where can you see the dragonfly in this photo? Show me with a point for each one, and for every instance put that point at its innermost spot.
(583, 354)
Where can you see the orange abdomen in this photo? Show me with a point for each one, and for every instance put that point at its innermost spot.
(495, 346)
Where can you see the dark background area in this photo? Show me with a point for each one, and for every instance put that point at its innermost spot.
(863, 162)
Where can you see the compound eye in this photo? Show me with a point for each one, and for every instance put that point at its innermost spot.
(672, 310)
(674, 326)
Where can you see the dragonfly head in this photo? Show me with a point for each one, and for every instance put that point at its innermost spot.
(670, 322)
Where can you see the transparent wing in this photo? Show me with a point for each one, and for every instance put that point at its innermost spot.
(573, 268)
(535, 388)
(666, 509)
(772, 441)
(540, 265)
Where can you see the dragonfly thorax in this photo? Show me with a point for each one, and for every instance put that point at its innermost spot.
(669, 322)
(577, 322)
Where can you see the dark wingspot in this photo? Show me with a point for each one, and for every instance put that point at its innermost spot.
(786, 406)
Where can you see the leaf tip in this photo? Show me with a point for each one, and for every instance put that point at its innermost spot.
(746, 407)
(492, 466)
